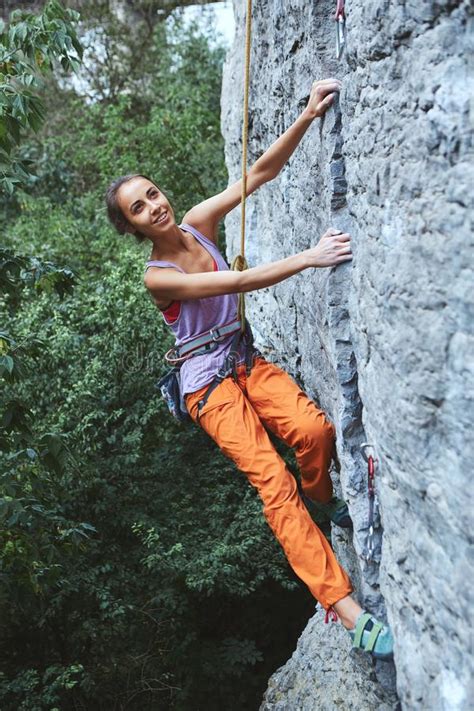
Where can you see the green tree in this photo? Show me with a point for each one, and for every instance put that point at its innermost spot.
(36, 537)
(30, 45)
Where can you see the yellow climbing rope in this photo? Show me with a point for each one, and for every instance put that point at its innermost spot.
(239, 262)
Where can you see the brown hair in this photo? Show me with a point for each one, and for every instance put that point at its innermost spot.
(116, 216)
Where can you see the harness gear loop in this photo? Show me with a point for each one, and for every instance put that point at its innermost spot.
(340, 18)
(369, 556)
(240, 263)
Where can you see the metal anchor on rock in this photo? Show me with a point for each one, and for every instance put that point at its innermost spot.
(340, 18)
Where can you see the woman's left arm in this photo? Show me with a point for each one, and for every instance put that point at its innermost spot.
(206, 215)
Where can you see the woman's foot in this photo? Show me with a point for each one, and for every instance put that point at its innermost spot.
(373, 637)
(366, 632)
(348, 610)
(335, 510)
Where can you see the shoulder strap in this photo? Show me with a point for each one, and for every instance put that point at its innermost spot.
(199, 235)
(159, 263)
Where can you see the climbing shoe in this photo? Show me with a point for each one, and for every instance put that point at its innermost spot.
(372, 636)
(335, 510)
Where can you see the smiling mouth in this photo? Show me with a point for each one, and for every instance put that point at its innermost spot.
(161, 218)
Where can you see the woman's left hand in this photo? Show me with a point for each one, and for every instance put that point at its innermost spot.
(322, 96)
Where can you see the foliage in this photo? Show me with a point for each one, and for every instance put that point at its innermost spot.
(29, 47)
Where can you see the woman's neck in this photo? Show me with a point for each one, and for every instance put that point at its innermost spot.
(169, 244)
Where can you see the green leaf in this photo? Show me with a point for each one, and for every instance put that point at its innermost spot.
(6, 363)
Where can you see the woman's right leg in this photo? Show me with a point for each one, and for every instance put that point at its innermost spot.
(229, 418)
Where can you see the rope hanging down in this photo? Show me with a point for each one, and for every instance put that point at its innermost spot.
(239, 262)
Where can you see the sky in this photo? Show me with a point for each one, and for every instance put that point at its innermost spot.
(222, 15)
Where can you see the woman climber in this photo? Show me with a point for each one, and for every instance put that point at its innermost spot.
(196, 292)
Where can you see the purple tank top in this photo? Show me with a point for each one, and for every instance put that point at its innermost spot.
(199, 315)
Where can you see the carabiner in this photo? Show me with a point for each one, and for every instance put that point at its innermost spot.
(363, 447)
(340, 18)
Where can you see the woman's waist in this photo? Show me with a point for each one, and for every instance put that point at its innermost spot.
(187, 331)
(213, 358)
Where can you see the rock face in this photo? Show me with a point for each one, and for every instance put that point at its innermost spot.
(383, 343)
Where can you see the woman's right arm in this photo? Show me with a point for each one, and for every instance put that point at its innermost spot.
(169, 285)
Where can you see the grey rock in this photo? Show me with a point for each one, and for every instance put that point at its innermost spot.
(320, 675)
(384, 344)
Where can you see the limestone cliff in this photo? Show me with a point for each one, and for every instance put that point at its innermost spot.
(383, 343)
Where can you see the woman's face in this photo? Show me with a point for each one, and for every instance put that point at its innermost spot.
(145, 207)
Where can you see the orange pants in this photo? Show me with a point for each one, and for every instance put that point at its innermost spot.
(233, 417)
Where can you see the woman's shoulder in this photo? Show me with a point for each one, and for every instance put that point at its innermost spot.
(205, 227)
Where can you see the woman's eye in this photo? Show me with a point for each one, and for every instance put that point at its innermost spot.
(152, 193)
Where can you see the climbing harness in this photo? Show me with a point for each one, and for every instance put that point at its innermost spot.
(169, 384)
(203, 343)
(207, 342)
(340, 18)
(370, 548)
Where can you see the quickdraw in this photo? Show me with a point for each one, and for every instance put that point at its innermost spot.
(340, 18)
(370, 547)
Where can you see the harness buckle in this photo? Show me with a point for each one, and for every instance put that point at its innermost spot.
(215, 334)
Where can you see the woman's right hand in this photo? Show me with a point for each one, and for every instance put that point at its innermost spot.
(333, 248)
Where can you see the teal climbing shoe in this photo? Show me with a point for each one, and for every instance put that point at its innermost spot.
(335, 510)
(373, 637)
